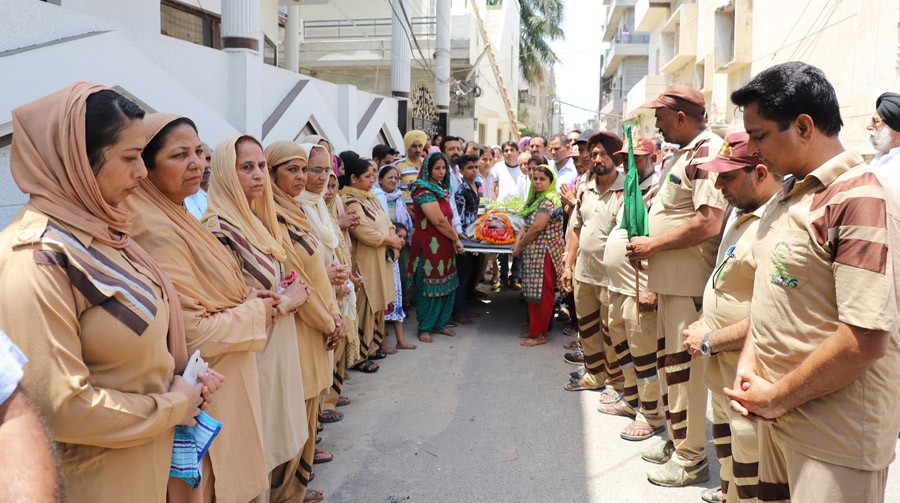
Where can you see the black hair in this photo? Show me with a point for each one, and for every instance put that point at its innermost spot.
(107, 113)
(381, 151)
(467, 158)
(484, 148)
(447, 139)
(156, 143)
(347, 156)
(385, 169)
(561, 137)
(400, 227)
(538, 158)
(353, 166)
(509, 143)
(785, 91)
(544, 140)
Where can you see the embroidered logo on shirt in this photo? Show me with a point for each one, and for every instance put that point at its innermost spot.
(780, 275)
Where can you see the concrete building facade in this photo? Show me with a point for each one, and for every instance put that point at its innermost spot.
(717, 46)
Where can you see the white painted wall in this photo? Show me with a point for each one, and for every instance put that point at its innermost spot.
(167, 75)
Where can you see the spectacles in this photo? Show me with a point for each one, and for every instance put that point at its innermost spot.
(317, 170)
(875, 121)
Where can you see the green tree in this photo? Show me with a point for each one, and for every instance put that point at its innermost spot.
(540, 23)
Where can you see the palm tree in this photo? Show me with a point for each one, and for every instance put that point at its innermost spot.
(540, 23)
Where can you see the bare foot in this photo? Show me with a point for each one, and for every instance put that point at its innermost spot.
(534, 342)
(346, 375)
(405, 345)
(424, 337)
(447, 332)
(524, 335)
(388, 350)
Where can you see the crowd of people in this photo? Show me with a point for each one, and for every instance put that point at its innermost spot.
(283, 267)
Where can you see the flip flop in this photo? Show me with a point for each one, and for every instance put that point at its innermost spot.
(335, 416)
(619, 408)
(710, 496)
(573, 385)
(368, 366)
(571, 345)
(609, 395)
(647, 431)
(321, 456)
(342, 401)
(313, 496)
(379, 355)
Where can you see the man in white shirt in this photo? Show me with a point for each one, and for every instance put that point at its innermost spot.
(561, 160)
(196, 204)
(507, 171)
(884, 133)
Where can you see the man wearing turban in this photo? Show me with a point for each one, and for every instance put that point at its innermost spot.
(414, 141)
(884, 133)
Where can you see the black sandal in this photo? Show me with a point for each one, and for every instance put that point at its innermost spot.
(368, 366)
(379, 355)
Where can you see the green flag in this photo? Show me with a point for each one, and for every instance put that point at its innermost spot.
(635, 220)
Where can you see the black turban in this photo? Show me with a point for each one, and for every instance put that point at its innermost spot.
(888, 107)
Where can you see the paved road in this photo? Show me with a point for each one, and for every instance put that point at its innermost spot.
(477, 418)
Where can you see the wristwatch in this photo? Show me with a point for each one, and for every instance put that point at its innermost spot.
(705, 350)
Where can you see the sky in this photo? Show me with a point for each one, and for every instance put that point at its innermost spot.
(578, 71)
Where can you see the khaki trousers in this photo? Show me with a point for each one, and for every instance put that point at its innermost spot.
(788, 475)
(300, 467)
(600, 363)
(337, 379)
(737, 447)
(684, 397)
(637, 349)
(371, 328)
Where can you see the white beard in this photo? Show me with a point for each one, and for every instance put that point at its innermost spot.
(881, 139)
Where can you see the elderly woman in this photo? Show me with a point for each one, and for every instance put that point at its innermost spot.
(433, 249)
(319, 324)
(540, 244)
(92, 311)
(387, 189)
(374, 249)
(224, 322)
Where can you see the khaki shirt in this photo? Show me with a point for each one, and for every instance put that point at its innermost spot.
(729, 290)
(825, 254)
(682, 191)
(595, 217)
(93, 324)
(618, 268)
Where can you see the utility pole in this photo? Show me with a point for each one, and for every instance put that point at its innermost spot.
(510, 113)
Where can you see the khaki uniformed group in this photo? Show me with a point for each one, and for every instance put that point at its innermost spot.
(752, 272)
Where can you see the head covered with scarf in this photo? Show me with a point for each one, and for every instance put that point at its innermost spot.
(203, 271)
(441, 189)
(395, 196)
(314, 206)
(535, 198)
(49, 162)
(255, 220)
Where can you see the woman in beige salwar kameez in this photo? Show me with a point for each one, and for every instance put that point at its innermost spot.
(374, 247)
(93, 312)
(318, 322)
(226, 320)
(241, 214)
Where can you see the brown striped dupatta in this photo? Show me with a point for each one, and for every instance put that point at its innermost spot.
(257, 221)
(203, 270)
(49, 162)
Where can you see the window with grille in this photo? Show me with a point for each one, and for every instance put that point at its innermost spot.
(190, 24)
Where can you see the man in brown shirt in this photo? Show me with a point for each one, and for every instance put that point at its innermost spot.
(685, 223)
(821, 365)
(718, 336)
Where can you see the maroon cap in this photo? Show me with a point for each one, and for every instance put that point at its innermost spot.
(733, 155)
(610, 141)
(642, 146)
(680, 99)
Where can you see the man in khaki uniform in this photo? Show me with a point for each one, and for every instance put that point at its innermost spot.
(594, 216)
(637, 343)
(719, 335)
(685, 223)
(822, 362)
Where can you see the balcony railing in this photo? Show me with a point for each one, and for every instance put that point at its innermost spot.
(336, 29)
(632, 38)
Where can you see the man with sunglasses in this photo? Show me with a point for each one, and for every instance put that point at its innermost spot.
(718, 336)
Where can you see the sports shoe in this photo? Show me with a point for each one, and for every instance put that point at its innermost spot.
(658, 453)
(673, 474)
(576, 358)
